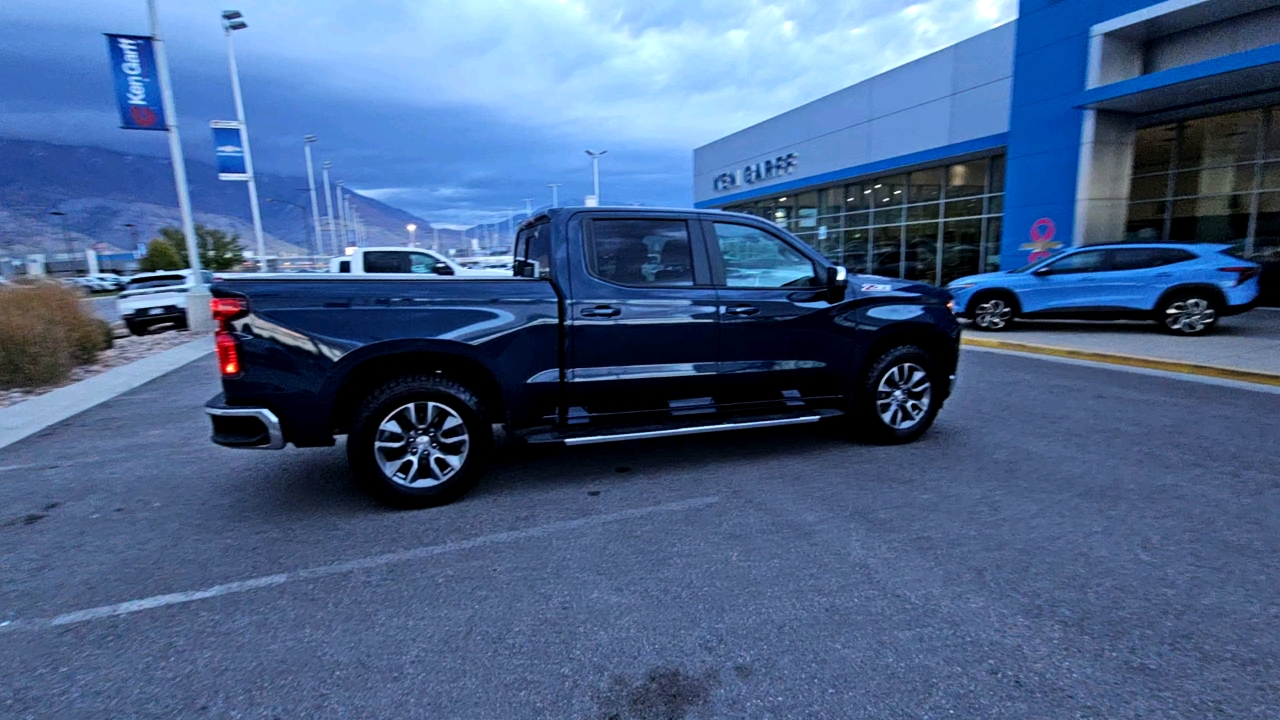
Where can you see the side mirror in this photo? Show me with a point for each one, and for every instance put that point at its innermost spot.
(442, 268)
(837, 283)
(1042, 271)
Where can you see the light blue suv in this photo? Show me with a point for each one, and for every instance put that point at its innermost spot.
(1185, 288)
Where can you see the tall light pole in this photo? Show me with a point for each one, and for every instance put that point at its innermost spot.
(342, 214)
(231, 21)
(413, 234)
(328, 208)
(435, 238)
(311, 183)
(198, 296)
(595, 171)
(555, 194)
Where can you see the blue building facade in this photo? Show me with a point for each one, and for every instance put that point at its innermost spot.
(1082, 122)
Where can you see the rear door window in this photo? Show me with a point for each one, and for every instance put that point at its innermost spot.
(533, 251)
(641, 252)
(1081, 262)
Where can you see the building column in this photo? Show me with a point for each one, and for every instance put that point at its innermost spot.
(1102, 178)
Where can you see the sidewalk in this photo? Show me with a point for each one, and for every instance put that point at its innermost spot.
(1244, 347)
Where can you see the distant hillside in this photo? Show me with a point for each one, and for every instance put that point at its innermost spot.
(101, 191)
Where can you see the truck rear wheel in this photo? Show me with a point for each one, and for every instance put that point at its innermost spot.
(419, 441)
(899, 397)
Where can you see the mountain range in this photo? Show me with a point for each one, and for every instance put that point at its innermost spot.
(101, 192)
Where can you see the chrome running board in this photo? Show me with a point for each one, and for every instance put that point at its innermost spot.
(692, 430)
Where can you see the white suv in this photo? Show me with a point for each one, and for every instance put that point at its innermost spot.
(157, 298)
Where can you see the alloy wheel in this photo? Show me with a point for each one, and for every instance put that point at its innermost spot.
(421, 444)
(993, 315)
(903, 396)
(1190, 316)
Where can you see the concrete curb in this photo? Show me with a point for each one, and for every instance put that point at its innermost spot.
(32, 416)
(1214, 371)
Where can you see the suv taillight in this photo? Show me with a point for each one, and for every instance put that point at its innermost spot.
(225, 310)
(1244, 273)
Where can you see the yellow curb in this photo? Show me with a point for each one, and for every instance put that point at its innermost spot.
(1216, 371)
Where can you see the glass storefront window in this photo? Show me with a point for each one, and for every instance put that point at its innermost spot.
(991, 246)
(831, 201)
(889, 192)
(900, 225)
(1148, 187)
(927, 211)
(967, 179)
(961, 240)
(921, 260)
(1215, 219)
(854, 251)
(1219, 140)
(1213, 181)
(969, 207)
(806, 213)
(886, 251)
(925, 186)
(1196, 181)
(1153, 149)
(857, 197)
(996, 184)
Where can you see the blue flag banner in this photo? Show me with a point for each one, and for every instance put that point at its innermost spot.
(228, 150)
(133, 65)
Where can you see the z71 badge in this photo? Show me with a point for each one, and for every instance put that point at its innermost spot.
(876, 287)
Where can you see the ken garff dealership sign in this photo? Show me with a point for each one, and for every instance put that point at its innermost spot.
(133, 65)
(759, 172)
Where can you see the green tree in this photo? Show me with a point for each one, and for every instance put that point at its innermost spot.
(218, 250)
(161, 256)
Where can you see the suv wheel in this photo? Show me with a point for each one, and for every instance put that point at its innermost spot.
(993, 312)
(418, 441)
(137, 328)
(898, 399)
(1188, 313)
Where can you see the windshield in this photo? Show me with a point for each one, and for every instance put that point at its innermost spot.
(156, 281)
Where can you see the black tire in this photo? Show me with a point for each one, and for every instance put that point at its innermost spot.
(993, 311)
(426, 394)
(1188, 313)
(872, 398)
(137, 329)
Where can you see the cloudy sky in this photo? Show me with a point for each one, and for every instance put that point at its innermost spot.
(459, 109)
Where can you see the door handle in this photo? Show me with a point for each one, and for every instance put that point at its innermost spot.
(602, 311)
(742, 310)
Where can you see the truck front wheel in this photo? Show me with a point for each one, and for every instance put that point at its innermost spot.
(419, 441)
(898, 398)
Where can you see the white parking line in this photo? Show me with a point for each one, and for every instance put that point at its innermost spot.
(155, 601)
(1185, 377)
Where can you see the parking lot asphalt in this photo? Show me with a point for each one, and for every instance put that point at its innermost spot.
(1067, 542)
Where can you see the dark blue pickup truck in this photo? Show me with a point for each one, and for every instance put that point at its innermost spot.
(618, 324)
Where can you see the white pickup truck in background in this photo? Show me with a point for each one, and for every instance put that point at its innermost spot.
(418, 261)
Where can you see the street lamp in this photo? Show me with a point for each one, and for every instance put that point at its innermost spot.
(328, 207)
(413, 234)
(62, 222)
(311, 184)
(555, 194)
(231, 21)
(595, 172)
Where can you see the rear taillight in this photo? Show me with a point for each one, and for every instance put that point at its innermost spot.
(1244, 273)
(225, 310)
(228, 354)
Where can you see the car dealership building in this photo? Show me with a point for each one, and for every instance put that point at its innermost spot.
(1082, 122)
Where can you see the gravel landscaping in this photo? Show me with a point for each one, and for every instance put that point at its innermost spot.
(124, 350)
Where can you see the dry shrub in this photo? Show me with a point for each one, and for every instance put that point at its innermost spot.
(45, 331)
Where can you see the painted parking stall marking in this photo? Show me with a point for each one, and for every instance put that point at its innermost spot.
(157, 601)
